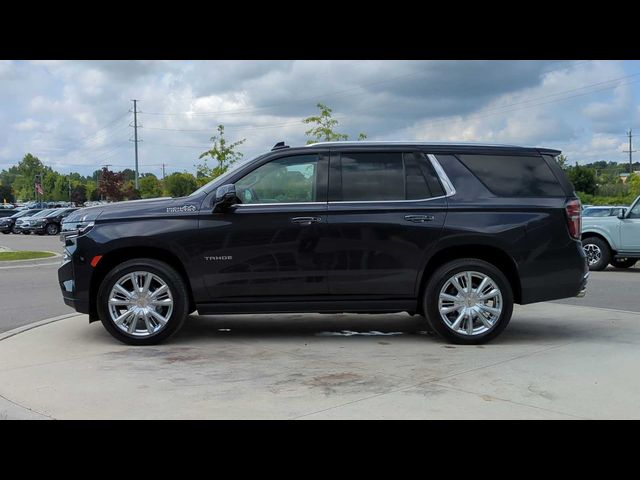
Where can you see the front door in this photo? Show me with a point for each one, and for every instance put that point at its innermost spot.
(630, 230)
(273, 243)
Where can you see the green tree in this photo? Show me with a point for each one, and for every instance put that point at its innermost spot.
(79, 194)
(223, 153)
(583, 179)
(634, 185)
(150, 186)
(324, 127)
(180, 184)
(6, 193)
(562, 161)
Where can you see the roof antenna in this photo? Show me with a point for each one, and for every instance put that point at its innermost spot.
(279, 146)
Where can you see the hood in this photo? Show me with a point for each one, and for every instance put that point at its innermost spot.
(148, 208)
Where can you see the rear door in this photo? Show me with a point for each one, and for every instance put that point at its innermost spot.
(386, 210)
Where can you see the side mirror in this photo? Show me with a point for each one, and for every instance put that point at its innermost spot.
(225, 197)
(622, 214)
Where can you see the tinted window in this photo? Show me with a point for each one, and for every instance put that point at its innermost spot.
(285, 180)
(514, 175)
(387, 176)
(635, 211)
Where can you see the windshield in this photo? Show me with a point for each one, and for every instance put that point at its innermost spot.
(41, 214)
(218, 181)
(55, 212)
(20, 213)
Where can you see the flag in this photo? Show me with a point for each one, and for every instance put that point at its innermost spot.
(39, 189)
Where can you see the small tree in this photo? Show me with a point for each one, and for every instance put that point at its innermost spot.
(111, 185)
(583, 179)
(79, 194)
(150, 186)
(223, 153)
(562, 161)
(323, 131)
(180, 184)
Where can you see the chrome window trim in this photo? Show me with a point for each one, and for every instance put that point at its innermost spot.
(444, 179)
(245, 205)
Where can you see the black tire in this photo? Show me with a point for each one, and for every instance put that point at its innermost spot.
(623, 262)
(52, 229)
(596, 244)
(169, 276)
(438, 280)
(14, 231)
(6, 232)
(24, 232)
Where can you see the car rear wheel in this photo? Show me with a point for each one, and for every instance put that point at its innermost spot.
(52, 229)
(598, 253)
(623, 262)
(143, 302)
(468, 301)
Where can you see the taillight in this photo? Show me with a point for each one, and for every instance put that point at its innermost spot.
(574, 218)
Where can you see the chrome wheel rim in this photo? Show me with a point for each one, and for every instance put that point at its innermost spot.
(593, 253)
(140, 304)
(470, 303)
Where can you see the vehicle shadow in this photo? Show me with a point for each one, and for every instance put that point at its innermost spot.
(621, 270)
(375, 327)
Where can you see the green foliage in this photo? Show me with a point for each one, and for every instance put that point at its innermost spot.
(562, 161)
(6, 193)
(150, 186)
(583, 179)
(323, 131)
(223, 153)
(180, 184)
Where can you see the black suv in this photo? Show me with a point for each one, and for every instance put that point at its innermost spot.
(8, 224)
(456, 233)
(50, 223)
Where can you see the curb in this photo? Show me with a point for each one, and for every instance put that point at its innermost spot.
(24, 328)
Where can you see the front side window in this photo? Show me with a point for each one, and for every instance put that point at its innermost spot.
(635, 211)
(284, 180)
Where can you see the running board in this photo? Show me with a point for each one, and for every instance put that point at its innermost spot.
(334, 306)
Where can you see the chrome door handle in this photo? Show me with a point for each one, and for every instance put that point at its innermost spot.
(419, 218)
(306, 220)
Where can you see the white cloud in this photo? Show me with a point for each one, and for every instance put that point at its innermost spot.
(26, 125)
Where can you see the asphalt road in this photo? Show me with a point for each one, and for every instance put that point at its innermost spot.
(31, 293)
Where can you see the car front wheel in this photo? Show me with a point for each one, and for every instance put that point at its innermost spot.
(52, 229)
(143, 302)
(468, 301)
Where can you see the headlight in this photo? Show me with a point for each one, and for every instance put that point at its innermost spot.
(76, 228)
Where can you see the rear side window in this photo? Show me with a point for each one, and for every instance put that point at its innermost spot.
(383, 176)
(514, 176)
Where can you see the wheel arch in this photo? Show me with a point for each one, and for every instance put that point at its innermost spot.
(116, 257)
(599, 235)
(491, 254)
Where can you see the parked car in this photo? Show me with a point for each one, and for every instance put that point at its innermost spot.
(6, 212)
(457, 233)
(8, 224)
(49, 223)
(613, 240)
(603, 211)
(24, 224)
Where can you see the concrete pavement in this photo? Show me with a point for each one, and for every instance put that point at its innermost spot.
(553, 361)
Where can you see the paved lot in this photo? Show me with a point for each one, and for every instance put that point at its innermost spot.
(574, 358)
(554, 361)
(29, 293)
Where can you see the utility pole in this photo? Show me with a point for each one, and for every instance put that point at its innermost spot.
(163, 171)
(135, 136)
(630, 152)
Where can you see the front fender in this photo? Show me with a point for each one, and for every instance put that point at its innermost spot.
(610, 232)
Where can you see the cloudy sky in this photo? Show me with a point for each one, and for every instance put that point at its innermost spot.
(75, 115)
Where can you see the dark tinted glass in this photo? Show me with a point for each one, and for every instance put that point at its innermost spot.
(387, 176)
(372, 176)
(514, 175)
